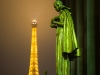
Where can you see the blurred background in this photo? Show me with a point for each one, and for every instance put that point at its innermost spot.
(15, 35)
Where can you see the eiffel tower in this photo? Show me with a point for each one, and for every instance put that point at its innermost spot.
(33, 68)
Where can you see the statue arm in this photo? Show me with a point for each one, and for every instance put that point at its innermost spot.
(58, 23)
(53, 25)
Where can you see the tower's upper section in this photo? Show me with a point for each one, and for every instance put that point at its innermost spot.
(34, 23)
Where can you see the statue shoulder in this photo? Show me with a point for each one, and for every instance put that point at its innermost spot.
(66, 10)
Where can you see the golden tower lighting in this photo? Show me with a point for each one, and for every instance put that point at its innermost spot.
(33, 67)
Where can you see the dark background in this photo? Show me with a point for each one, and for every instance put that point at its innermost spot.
(15, 35)
(86, 16)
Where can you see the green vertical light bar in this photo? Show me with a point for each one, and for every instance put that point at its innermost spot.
(79, 24)
(90, 38)
(72, 6)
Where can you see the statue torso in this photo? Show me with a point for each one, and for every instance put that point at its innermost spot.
(59, 30)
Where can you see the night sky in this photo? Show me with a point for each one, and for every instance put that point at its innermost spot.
(15, 36)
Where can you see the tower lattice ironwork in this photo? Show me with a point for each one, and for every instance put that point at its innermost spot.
(33, 67)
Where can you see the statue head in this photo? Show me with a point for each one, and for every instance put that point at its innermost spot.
(58, 5)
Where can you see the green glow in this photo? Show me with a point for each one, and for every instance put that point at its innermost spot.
(66, 43)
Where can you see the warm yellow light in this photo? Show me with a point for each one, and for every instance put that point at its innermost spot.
(34, 22)
(33, 68)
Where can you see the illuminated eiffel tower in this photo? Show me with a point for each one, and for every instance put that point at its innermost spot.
(33, 68)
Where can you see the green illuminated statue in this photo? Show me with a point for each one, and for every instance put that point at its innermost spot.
(66, 43)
